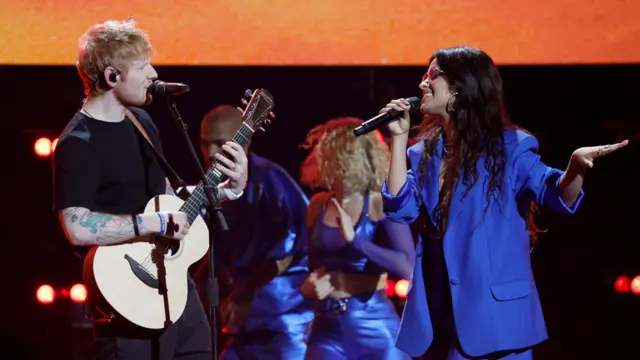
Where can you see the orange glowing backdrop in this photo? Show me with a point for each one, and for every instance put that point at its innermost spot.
(332, 32)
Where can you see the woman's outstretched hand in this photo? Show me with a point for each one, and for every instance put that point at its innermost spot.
(586, 155)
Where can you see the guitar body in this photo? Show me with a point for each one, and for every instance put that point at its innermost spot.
(116, 288)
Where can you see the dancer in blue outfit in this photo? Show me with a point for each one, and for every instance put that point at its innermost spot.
(473, 178)
(352, 246)
(261, 261)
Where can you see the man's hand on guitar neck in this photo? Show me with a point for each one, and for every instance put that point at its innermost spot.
(236, 170)
(86, 228)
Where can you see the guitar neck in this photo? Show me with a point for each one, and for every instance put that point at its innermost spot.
(196, 200)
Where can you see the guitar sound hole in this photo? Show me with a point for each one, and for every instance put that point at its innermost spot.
(171, 247)
(165, 248)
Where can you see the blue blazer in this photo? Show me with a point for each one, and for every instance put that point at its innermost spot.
(495, 302)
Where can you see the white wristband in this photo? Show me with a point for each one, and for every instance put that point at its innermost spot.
(229, 194)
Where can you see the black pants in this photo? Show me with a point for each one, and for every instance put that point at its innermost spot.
(188, 339)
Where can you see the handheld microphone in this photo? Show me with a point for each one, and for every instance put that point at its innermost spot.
(162, 88)
(384, 118)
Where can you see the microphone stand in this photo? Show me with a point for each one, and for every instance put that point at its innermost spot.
(215, 219)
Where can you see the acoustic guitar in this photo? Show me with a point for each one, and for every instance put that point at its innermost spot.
(145, 280)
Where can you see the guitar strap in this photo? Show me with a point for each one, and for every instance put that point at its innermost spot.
(175, 181)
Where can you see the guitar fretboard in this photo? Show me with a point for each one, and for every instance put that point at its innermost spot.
(197, 200)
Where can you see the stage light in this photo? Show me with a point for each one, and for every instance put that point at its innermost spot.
(390, 288)
(635, 285)
(42, 147)
(78, 293)
(402, 287)
(45, 294)
(622, 284)
(53, 144)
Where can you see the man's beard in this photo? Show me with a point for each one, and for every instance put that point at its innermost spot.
(137, 103)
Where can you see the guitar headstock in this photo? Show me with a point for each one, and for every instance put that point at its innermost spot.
(257, 112)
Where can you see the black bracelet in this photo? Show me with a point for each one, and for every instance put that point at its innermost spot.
(134, 218)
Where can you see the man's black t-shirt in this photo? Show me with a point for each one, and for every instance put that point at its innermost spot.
(107, 167)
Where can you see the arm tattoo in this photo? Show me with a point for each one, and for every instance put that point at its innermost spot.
(93, 221)
(112, 233)
(71, 214)
(100, 228)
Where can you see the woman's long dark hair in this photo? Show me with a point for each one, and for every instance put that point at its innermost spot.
(478, 118)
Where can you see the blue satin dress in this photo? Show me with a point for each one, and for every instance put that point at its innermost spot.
(267, 223)
(363, 326)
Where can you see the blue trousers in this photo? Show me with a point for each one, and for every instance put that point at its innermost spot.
(446, 346)
(267, 345)
(355, 328)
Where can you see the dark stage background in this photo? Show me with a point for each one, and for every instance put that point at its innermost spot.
(565, 106)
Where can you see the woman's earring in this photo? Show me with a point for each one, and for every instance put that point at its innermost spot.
(450, 108)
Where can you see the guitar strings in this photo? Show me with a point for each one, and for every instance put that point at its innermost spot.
(245, 132)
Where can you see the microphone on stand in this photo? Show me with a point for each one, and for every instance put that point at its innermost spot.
(384, 118)
(162, 88)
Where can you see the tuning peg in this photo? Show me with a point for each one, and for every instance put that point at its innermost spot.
(272, 115)
(244, 102)
(248, 93)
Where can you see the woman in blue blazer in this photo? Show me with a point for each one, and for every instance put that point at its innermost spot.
(473, 178)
